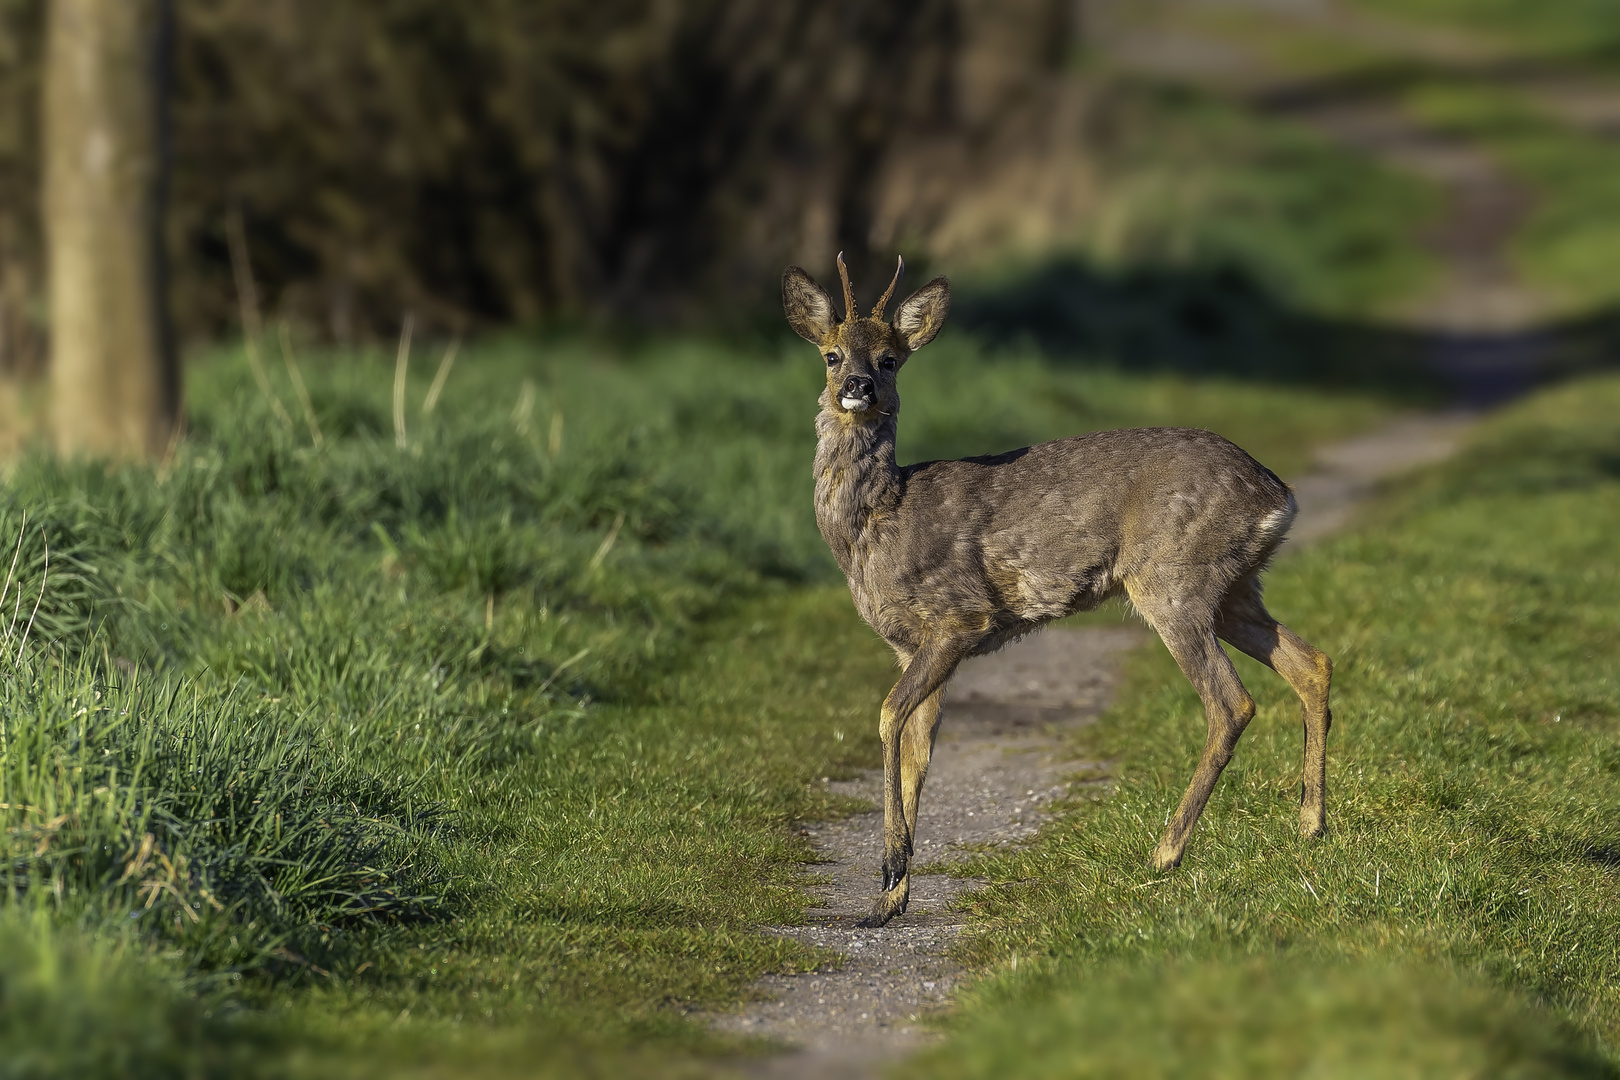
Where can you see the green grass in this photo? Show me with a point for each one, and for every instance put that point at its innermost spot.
(98, 1003)
(1463, 906)
(479, 754)
(1246, 1017)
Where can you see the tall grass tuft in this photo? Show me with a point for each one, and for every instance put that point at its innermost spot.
(242, 834)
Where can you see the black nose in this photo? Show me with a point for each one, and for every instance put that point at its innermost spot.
(859, 386)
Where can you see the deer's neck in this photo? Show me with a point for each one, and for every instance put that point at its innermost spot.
(857, 481)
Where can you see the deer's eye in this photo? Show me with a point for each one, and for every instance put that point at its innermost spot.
(887, 363)
(832, 359)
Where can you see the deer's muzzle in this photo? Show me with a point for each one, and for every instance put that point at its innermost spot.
(858, 393)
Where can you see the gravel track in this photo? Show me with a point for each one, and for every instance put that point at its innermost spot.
(998, 762)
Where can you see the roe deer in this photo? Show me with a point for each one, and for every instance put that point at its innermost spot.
(951, 559)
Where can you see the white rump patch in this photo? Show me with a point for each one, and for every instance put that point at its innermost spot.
(1276, 523)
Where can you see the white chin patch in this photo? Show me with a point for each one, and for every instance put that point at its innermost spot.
(855, 404)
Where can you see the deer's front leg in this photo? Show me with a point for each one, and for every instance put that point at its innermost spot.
(916, 750)
(896, 837)
(923, 678)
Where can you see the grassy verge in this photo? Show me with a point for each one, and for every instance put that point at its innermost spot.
(475, 755)
(1462, 917)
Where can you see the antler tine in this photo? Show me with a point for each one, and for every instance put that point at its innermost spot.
(849, 290)
(883, 301)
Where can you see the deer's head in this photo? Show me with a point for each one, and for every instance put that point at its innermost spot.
(863, 354)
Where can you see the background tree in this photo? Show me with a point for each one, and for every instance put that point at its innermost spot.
(21, 315)
(493, 162)
(114, 388)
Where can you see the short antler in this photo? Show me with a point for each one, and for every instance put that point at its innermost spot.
(883, 301)
(849, 290)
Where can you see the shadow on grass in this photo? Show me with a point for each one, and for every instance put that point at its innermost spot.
(1221, 321)
(1607, 855)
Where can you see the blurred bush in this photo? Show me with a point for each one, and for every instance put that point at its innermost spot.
(77, 1003)
(493, 161)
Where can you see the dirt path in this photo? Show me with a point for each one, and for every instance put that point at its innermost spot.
(999, 761)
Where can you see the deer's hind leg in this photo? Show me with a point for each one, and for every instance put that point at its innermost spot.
(914, 698)
(1245, 622)
(1188, 634)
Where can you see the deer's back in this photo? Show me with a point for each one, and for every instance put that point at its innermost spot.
(1017, 539)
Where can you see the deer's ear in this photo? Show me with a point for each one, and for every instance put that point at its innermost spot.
(808, 307)
(923, 313)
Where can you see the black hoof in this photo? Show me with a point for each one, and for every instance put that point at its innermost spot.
(894, 870)
(886, 908)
